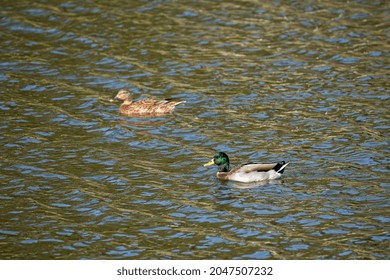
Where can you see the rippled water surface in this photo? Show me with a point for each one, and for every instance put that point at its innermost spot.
(302, 81)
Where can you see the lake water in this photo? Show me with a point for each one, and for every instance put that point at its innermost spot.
(264, 81)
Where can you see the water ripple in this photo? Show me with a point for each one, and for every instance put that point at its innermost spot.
(303, 82)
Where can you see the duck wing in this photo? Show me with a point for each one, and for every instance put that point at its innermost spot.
(147, 102)
(255, 167)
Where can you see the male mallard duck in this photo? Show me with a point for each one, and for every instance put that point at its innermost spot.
(248, 172)
(148, 107)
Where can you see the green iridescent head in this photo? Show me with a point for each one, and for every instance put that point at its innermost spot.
(222, 160)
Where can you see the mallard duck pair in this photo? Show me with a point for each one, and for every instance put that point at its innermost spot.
(248, 172)
(147, 107)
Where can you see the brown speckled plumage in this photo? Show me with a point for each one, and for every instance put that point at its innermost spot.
(147, 107)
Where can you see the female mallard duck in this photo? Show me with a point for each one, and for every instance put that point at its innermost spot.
(248, 172)
(148, 107)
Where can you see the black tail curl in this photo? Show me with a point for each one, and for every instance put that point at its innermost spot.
(279, 167)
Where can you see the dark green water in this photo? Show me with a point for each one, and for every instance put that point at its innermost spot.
(303, 81)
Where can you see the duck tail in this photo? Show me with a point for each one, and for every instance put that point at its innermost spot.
(279, 167)
(179, 102)
(171, 100)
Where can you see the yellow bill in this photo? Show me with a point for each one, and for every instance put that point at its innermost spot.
(209, 163)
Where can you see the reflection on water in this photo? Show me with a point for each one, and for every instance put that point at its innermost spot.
(305, 82)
